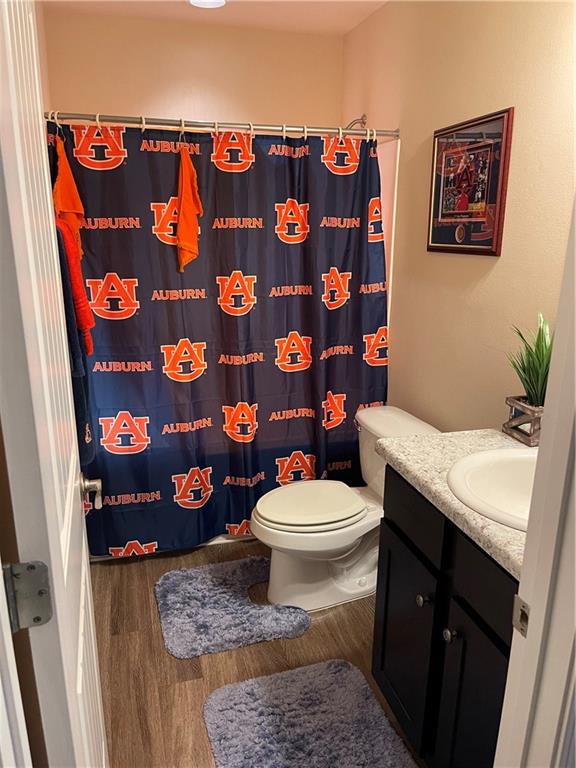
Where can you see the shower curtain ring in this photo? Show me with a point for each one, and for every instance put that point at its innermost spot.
(142, 123)
(182, 129)
(340, 134)
(97, 121)
(284, 132)
(367, 134)
(305, 133)
(216, 127)
(251, 125)
(59, 129)
(374, 135)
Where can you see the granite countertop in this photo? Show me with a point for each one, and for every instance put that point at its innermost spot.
(424, 460)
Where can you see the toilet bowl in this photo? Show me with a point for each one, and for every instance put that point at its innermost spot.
(324, 534)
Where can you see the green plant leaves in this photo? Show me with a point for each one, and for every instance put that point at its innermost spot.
(532, 361)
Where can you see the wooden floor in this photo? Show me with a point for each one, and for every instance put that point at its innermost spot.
(153, 701)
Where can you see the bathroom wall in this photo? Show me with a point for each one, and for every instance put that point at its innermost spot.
(424, 66)
(169, 68)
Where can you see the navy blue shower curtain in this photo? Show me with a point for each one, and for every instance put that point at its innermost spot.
(210, 387)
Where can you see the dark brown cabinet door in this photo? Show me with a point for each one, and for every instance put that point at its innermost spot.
(472, 694)
(403, 632)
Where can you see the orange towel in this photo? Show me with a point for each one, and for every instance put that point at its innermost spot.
(67, 203)
(84, 317)
(189, 208)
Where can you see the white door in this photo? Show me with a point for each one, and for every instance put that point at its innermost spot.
(36, 409)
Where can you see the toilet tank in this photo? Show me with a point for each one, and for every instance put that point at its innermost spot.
(383, 421)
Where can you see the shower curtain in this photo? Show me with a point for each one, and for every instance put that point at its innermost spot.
(212, 386)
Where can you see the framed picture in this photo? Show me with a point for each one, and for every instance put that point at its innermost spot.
(469, 180)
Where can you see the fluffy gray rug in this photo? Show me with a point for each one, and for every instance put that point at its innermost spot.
(321, 716)
(207, 609)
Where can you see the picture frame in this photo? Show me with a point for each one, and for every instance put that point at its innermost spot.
(470, 163)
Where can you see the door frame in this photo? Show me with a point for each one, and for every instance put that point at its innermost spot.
(535, 726)
(14, 747)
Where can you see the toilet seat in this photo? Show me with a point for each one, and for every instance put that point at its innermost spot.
(310, 506)
(336, 525)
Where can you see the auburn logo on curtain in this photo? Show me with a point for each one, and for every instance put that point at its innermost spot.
(236, 293)
(165, 220)
(297, 466)
(341, 155)
(232, 151)
(240, 423)
(194, 488)
(375, 231)
(375, 345)
(133, 548)
(334, 413)
(99, 148)
(113, 297)
(293, 352)
(184, 361)
(336, 292)
(124, 433)
(292, 221)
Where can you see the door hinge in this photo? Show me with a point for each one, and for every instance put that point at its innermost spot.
(28, 594)
(520, 615)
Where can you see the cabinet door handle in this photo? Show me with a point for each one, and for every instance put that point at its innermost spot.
(421, 600)
(449, 635)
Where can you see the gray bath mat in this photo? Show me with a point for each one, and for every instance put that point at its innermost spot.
(321, 716)
(207, 609)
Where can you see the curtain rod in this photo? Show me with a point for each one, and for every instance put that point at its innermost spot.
(206, 125)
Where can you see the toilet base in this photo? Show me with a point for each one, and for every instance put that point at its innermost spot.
(313, 584)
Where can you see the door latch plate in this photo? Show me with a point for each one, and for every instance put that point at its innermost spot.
(520, 615)
(28, 594)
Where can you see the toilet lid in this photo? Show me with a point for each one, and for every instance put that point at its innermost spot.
(310, 503)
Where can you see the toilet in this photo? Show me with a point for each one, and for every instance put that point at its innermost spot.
(324, 534)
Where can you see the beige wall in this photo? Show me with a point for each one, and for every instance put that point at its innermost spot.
(417, 66)
(166, 68)
(424, 66)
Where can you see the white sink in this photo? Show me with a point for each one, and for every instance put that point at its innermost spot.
(497, 484)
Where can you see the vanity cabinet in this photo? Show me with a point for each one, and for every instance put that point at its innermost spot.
(442, 634)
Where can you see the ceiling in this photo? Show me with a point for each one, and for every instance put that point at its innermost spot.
(331, 17)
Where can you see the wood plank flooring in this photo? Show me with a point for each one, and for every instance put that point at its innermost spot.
(153, 701)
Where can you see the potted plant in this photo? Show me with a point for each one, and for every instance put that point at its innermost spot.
(532, 364)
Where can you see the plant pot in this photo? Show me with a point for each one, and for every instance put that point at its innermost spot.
(524, 421)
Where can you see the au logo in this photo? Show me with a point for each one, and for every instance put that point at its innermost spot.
(375, 231)
(294, 352)
(165, 220)
(232, 152)
(341, 155)
(237, 286)
(292, 221)
(374, 345)
(113, 288)
(240, 423)
(134, 548)
(336, 292)
(239, 529)
(194, 488)
(185, 360)
(124, 433)
(297, 466)
(334, 413)
(99, 148)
